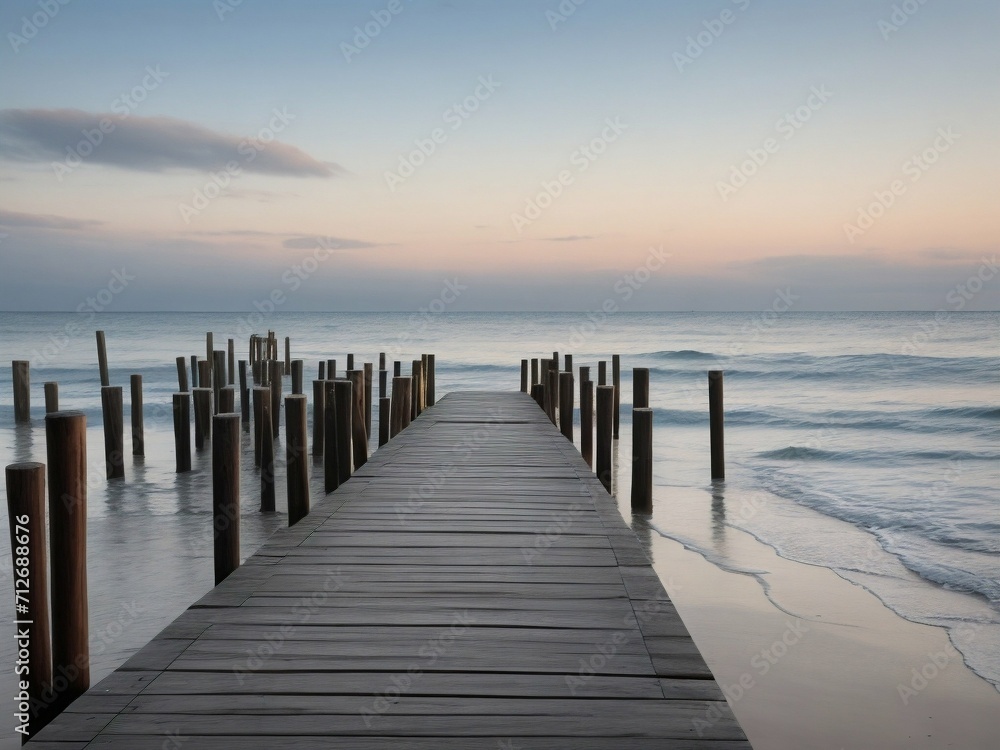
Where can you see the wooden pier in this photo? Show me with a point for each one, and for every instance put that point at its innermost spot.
(471, 586)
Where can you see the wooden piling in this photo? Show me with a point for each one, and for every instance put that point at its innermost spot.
(642, 460)
(381, 364)
(227, 400)
(322, 370)
(605, 427)
(218, 377)
(261, 401)
(552, 392)
(195, 382)
(21, 373)
(51, 397)
(331, 369)
(350, 362)
(288, 355)
(534, 370)
(209, 357)
(554, 364)
(384, 413)
(231, 366)
(102, 359)
(587, 421)
(369, 374)
(202, 417)
(296, 457)
(359, 436)
(400, 408)
(226, 494)
(66, 450)
(182, 376)
(182, 431)
(416, 380)
(319, 399)
(640, 387)
(716, 424)
(204, 374)
(274, 373)
(244, 397)
(566, 394)
(568, 358)
(397, 369)
(267, 454)
(331, 453)
(616, 381)
(297, 365)
(344, 409)
(114, 431)
(524, 376)
(138, 431)
(430, 389)
(383, 384)
(602, 372)
(26, 516)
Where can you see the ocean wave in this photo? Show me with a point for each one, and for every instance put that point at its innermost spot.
(805, 453)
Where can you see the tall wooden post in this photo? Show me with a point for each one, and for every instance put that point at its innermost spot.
(431, 386)
(616, 377)
(209, 357)
(587, 421)
(182, 376)
(384, 413)
(138, 431)
(358, 435)
(534, 370)
(288, 355)
(26, 516)
(416, 384)
(244, 397)
(51, 397)
(202, 417)
(642, 460)
(397, 369)
(276, 387)
(605, 426)
(383, 384)
(261, 400)
(538, 394)
(331, 369)
(219, 378)
(602, 372)
(524, 376)
(204, 374)
(350, 362)
(66, 448)
(319, 400)
(102, 359)
(400, 408)
(226, 494)
(227, 400)
(296, 457)
(182, 431)
(231, 369)
(716, 424)
(640, 387)
(552, 392)
(566, 394)
(114, 431)
(297, 365)
(21, 372)
(331, 452)
(369, 374)
(195, 382)
(322, 370)
(344, 398)
(569, 362)
(267, 455)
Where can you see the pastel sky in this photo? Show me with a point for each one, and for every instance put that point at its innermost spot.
(355, 155)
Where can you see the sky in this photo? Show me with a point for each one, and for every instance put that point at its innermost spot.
(535, 154)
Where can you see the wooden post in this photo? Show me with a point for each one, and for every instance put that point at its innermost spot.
(26, 515)
(244, 397)
(547, 392)
(296, 457)
(114, 431)
(195, 382)
(275, 380)
(182, 431)
(716, 424)
(21, 373)
(358, 435)
(415, 407)
(605, 426)
(552, 392)
(430, 389)
(261, 401)
(322, 370)
(569, 362)
(202, 417)
(400, 409)
(331, 369)
(534, 370)
(640, 388)
(350, 362)
(554, 364)
(51, 397)
(288, 355)
(138, 432)
(204, 374)
(397, 369)
(383, 383)
(209, 354)
(369, 374)
(231, 369)
(616, 381)
(423, 382)
(296, 377)
(566, 394)
(584, 375)
(226, 494)
(642, 460)
(66, 449)
(381, 364)
(524, 376)
(538, 393)
(344, 409)
(182, 376)
(102, 359)
(384, 411)
(319, 399)
(587, 421)
(331, 453)
(267, 454)
(218, 377)
(227, 400)
(602, 372)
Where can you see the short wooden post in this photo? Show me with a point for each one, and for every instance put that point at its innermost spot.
(331, 453)
(182, 431)
(538, 393)
(400, 408)
(51, 397)
(568, 358)
(296, 457)
(423, 382)
(358, 435)
(587, 421)
(21, 373)
(226, 494)
(640, 387)
(261, 401)
(584, 374)
(552, 392)
(297, 365)
(319, 399)
(397, 369)
(195, 382)
(227, 400)
(114, 431)
(267, 455)
(430, 388)
(369, 374)
(416, 379)
(524, 376)
(344, 399)
(642, 460)
(716, 424)
(383, 383)
(554, 364)
(547, 392)
(288, 355)
(182, 376)
(138, 431)
(605, 426)
(331, 369)
(384, 409)
(602, 372)
(202, 417)
(381, 364)
(534, 370)
(102, 359)
(275, 371)
(616, 381)
(566, 395)
(66, 450)
(218, 378)
(231, 369)
(244, 397)
(209, 357)
(204, 374)
(322, 370)
(26, 518)
(350, 362)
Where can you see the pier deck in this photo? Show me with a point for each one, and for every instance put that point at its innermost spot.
(472, 586)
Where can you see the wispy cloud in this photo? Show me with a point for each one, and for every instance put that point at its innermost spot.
(570, 238)
(44, 221)
(314, 242)
(148, 144)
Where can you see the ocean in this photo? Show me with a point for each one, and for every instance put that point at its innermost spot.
(867, 443)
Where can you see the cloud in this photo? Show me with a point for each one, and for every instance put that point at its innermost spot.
(313, 242)
(44, 221)
(569, 238)
(147, 144)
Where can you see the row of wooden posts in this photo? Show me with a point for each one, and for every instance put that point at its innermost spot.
(59, 661)
(554, 391)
